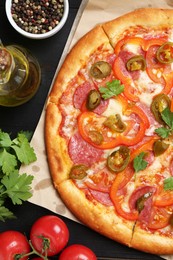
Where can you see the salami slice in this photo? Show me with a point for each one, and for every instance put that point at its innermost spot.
(83, 153)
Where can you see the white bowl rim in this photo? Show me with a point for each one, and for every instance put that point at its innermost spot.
(40, 35)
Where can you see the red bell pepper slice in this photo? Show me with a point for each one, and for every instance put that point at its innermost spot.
(121, 73)
(89, 122)
(128, 40)
(117, 198)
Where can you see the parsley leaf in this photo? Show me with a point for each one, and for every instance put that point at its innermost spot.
(8, 161)
(168, 184)
(24, 152)
(17, 186)
(167, 117)
(163, 132)
(13, 184)
(5, 140)
(139, 163)
(5, 213)
(112, 88)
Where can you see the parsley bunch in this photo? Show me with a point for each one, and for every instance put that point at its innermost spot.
(14, 185)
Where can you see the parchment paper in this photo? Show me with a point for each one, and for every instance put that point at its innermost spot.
(91, 13)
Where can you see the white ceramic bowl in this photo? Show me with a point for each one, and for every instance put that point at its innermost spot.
(41, 35)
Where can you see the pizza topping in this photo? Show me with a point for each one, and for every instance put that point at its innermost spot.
(118, 198)
(139, 163)
(141, 200)
(167, 117)
(115, 123)
(159, 103)
(136, 63)
(95, 137)
(159, 218)
(168, 183)
(164, 197)
(118, 160)
(100, 70)
(81, 152)
(101, 197)
(89, 121)
(112, 89)
(93, 99)
(140, 203)
(78, 172)
(100, 181)
(160, 147)
(81, 93)
(165, 53)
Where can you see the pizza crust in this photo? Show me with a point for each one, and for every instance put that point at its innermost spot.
(96, 216)
(57, 154)
(145, 17)
(151, 242)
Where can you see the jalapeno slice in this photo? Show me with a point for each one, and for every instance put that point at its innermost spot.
(100, 70)
(119, 159)
(140, 203)
(160, 147)
(93, 99)
(115, 123)
(96, 137)
(137, 62)
(78, 172)
(159, 103)
(164, 53)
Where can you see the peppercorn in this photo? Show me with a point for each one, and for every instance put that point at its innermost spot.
(38, 16)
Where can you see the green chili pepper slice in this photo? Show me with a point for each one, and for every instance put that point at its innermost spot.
(160, 147)
(100, 70)
(115, 123)
(164, 53)
(118, 160)
(78, 172)
(137, 62)
(140, 203)
(159, 103)
(93, 99)
(96, 137)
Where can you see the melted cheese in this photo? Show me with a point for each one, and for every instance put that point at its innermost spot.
(113, 108)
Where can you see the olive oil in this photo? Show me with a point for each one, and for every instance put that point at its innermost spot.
(20, 75)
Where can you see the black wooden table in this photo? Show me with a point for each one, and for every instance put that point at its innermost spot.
(26, 117)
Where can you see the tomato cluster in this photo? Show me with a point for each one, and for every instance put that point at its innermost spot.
(49, 236)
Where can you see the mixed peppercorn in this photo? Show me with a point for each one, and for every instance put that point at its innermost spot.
(37, 16)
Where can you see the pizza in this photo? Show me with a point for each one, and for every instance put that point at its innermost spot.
(109, 130)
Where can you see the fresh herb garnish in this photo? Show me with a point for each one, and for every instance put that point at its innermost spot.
(168, 184)
(139, 163)
(112, 88)
(13, 184)
(167, 117)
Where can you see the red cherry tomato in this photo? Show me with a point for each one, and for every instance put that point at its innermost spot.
(13, 243)
(77, 252)
(49, 235)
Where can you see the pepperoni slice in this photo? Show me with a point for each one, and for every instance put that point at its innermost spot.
(82, 152)
(81, 93)
(101, 197)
